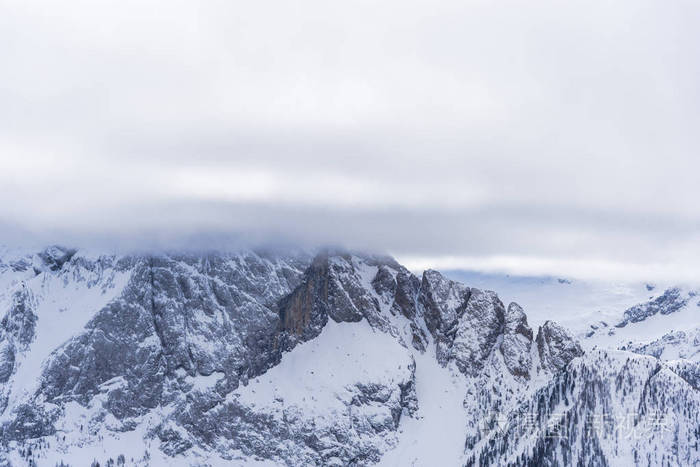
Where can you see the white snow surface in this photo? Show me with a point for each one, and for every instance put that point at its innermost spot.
(319, 375)
(435, 435)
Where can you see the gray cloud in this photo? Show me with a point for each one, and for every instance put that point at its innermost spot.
(546, 137)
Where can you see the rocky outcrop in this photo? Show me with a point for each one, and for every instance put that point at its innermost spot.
(329, 288)
(444, 301)
(54, 257)
(517, 341)
(556, 347)
(350, 288)
(464, 322)
(19, 322)
(7, 360)
(671, 301)
(477, 331)
(17, 331)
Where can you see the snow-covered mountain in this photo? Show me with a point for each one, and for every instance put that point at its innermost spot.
(655, 319)
(671, 346)
(665, 326)
(336, 358)
(574, 303)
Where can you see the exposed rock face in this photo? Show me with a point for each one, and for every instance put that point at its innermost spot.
(670, 301)
(465, 322)
(347, 288)
(406, 294)
(444, 301)
(7, 360)
(55, 257)
(330, 287)
(517, 341)
(17, 331)
(516, 322)
(556, 347)
(18, 324)
(197, 315)
(477, 331)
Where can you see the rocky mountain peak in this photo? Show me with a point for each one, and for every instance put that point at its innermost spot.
(516, 321)
(670, 301)
(517, 341)
(444, 301)
(348, 287)
(54, 257)
(556, 347)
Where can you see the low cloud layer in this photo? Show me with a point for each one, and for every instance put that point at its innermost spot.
(545, 137)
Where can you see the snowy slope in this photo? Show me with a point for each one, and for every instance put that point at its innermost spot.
(320, 375)
(435, 435)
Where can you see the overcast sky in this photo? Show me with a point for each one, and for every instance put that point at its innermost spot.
(531, 137)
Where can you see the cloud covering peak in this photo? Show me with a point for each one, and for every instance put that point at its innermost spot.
(548, 137)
